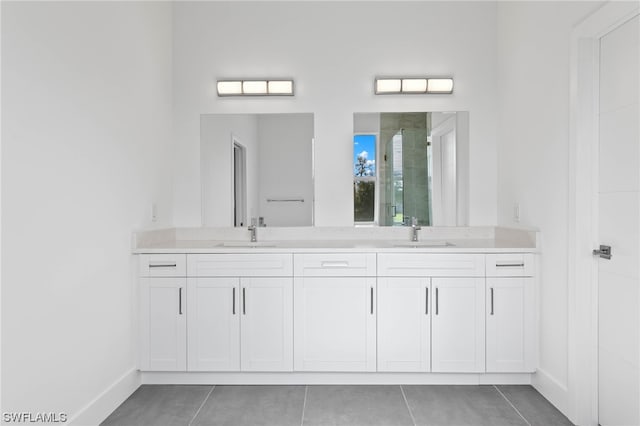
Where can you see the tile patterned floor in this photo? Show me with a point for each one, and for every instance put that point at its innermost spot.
(169, 405)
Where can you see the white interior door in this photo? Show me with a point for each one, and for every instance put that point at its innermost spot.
(619, 227)
(445, 184)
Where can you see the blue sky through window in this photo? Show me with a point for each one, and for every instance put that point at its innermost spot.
(365, 146)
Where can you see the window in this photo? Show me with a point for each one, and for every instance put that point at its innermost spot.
(364, 178)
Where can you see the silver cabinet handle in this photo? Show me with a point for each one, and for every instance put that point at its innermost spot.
(491, 300)
(180, 301)
(371, 300)
(510, 265)
(437, 300)
(244, 302)
(162, 265)
(334, 264)
(426, 302)
(233, 303)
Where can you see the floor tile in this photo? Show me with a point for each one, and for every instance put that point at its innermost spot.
(533, 406)
(152, 405)
(356, 406)
(460, 406)
(252, 406)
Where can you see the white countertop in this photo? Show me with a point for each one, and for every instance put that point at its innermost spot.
(322, 246)
(339, 239)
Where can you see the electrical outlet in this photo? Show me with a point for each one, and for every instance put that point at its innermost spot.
(154, 212)
(516, 212)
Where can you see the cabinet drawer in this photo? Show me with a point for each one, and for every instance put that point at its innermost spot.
(163, 265)
(510, 265)
(335, 265)
(430, 265)
(239, 265)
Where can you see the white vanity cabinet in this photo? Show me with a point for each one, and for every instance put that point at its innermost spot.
(163, 322)
(431, 312)
(335, 312)
(240, 312)
(382, 311)
(510, 313)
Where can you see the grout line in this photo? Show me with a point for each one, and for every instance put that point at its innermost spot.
(512, 406)
(409, 408)
(202, 405)
(304, 404)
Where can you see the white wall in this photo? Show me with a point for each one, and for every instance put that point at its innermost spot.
(334, 50)
(86, 113)
(285, 168)
(216, 165)
(533, 162)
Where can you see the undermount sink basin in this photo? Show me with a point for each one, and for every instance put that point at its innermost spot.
(249, 244)
(421, 244)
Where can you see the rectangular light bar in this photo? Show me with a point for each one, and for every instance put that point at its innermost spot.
(412, 85)
(255, 87)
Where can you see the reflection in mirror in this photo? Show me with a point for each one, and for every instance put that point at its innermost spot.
(257, 166)
(410, 164)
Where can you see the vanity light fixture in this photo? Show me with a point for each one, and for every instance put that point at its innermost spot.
(413, 85)
(278, 87)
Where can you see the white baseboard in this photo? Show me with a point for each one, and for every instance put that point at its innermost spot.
(552, 389)
(102, 405)
(306, 378)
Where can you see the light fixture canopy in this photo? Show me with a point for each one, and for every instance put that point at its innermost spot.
(255, 87)
(413, 85)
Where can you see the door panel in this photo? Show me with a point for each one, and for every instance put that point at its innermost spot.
(163, 323)
(404, 324)
(267, 324)
(335, 324)
(214, 324)
(457, 325)
(510, 323)
(619, 227)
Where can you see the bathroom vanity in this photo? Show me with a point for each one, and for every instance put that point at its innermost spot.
(217, 308)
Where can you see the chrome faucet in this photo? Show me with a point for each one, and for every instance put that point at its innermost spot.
(253, 228)
(414, 229)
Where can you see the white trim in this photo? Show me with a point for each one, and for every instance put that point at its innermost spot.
(552, 389)
(99, 408)
(322, 378)
(582, 398)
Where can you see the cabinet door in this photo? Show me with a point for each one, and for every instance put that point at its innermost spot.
(404, 324)
(510, 325)
(335, 324)
(267, 324)
(214, 324)
(457, 325)
(163, 324)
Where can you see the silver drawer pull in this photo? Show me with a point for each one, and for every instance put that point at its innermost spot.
(371, 300)
(426, 302)
(510, 265)
(244, 302)
(162, 265)
(491, 300)
(335, 264)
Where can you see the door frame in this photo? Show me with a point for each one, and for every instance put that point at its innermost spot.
(446, 127)
(582, 404)
(238, 176)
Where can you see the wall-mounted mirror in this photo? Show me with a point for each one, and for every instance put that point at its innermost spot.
(411, 164)
(257, 166)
